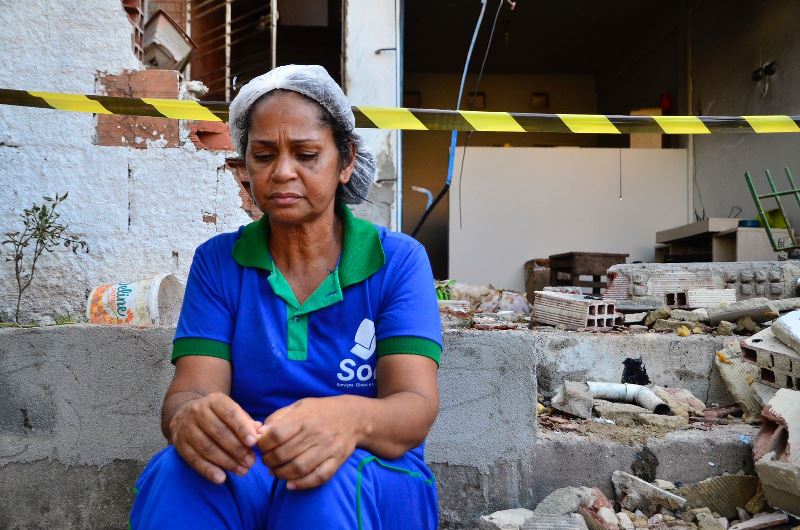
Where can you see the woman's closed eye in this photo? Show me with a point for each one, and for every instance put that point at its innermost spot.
(307, 157)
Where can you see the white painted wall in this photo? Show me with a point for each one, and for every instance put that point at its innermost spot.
(526, 203)
(164, 192)
(370, 79)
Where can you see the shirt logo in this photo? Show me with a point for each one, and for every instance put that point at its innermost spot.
(365, 340)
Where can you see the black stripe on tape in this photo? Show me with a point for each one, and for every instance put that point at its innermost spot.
(127, 106)
(541, 123)
(22, 98)
(635, 124)
(442, 120)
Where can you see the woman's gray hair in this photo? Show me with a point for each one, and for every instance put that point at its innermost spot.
(313, 82)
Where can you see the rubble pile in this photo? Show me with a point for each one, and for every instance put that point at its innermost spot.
(725, 502)
(578, 312)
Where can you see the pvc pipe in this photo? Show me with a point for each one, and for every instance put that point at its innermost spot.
(629, 393)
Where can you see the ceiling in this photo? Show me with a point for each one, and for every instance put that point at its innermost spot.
(538, 36)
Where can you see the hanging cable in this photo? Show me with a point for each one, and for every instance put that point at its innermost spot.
(454, 134)
(477, 84)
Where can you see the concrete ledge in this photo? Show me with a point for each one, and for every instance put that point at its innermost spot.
(558, 460)
(670, 360)
(80, 404)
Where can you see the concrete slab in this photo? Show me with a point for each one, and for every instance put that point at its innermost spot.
(679, 362)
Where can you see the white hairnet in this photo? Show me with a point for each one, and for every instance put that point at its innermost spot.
(314, 82)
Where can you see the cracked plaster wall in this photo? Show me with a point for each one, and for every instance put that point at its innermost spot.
(141, 211)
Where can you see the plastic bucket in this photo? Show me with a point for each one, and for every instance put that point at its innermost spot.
(152, 302)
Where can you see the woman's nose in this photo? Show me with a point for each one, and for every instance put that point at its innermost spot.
(284, 168)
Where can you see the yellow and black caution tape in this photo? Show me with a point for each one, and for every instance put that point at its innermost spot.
(422, 119)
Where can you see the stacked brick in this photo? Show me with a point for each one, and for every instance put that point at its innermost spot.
(574, 311)
(779, 365)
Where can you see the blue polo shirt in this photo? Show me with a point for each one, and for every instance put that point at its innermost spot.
(379, 301)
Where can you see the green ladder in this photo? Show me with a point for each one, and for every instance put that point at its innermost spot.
(778, 245)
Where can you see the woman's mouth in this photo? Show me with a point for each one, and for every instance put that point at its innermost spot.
(284, 199)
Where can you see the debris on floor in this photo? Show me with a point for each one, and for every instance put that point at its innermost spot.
(776, 451)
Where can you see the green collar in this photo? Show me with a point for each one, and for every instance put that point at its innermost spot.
(362, 252)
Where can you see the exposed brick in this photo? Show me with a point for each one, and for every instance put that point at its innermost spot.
(213, 135)
(138, 131)
(176, 9)
(237, 167)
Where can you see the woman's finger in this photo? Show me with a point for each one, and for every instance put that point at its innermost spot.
(205, 468)
(304, 463)
(285, 453)
(318, 476)
(208, 450)
(236, 419)
(277, 430)
(224, 437)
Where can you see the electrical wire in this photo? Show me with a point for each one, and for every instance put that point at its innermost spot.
(469, 134)
(453, 134)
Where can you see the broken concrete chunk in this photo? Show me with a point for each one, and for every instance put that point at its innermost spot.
(566, 500)
(505, 520)
(571, 521)
(776, 451)
(681, 401)
(743, 514)
(635, 318)
(722, 494)
(607, 517)
(672, 423)
(787, 304)
(690, 516)
(674, 325)
(574, 398)
(757, 503)
(634, 493)
(766, 520)
(725, 328)
(662, 313)
(747, 325)
(707, 521)
(625, 522)
(781, 483)
(759, 309)
(656, 520)
(787, 329)
(762, 392)
(738, 377)
(664, 484)
(698, 315)
(620, 413)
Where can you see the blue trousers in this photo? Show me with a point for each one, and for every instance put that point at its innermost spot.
(365, 493)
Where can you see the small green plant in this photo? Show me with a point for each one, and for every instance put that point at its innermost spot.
(41, 233)
(62, 320)
(443, 289)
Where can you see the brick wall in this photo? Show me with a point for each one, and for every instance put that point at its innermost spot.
(174, 8)
(138, 131)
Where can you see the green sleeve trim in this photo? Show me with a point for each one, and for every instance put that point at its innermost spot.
(207, 347)
(410, 345)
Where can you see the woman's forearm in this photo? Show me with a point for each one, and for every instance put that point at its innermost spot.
(391, 425)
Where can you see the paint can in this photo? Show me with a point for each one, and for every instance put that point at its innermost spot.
(147, 303)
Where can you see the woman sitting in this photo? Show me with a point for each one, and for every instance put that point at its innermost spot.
(308, 344)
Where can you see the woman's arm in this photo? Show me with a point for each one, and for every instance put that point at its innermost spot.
(305, 443)
(209, 430)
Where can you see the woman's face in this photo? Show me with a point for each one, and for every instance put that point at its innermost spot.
(292, 159)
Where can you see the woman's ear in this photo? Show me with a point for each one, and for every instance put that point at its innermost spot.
(347, 170)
